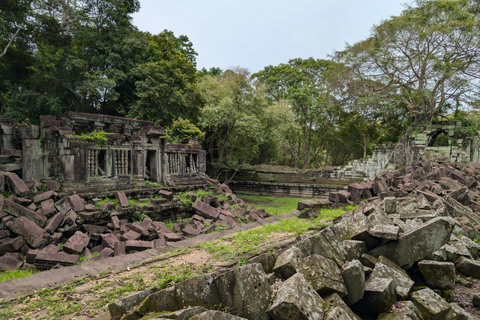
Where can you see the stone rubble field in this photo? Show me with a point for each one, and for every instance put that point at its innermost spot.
(49, 229)
(398, 255)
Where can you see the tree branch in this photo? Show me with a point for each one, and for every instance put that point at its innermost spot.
(11, 40)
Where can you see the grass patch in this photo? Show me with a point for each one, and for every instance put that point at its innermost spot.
(272, 205)
(7, 275)
(99, 203)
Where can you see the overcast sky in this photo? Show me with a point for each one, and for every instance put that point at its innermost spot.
(256, 33)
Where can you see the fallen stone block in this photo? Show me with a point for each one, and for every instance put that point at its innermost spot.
(354, 249)
(103, 254)
(46, 260)
(337, 309)
(354, 226)
(387, 232)
(296, 300)
(119, 249)
(48, 207)
(11, 244)
(43, 196)
(287, 261)
(109, 240)
(205, 210)
(16, 184)
(173, 237)
(390, 205)
(438, 275)
(166, 194)
(70, 218)
(326, 244)
(354, 278)
(416, 244)
(33, 234)
(389, 270)
(323, 274)
(469, 267)
(130, 235)
(190, 231)
(17, 210)
(215, 314)
(107, 206)
(430, 304)
(119, 307)
(54, 222)
(458, 313)
(76, 243)
(122, 198)
(379, 294)
(9, 263)
(139, 229)
(138, 245)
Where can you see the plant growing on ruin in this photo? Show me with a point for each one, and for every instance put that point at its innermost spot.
(100, 138)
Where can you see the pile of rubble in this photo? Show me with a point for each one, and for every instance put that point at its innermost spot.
(393, 257)
(48, 229)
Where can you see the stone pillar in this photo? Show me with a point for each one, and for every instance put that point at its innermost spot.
(32, 159)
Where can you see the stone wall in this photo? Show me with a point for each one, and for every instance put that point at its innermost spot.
(131, 152)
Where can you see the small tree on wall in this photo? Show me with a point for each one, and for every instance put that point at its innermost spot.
(184, 130)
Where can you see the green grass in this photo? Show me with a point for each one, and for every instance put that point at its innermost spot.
(272, 205)
(99, 203)
(7, 275)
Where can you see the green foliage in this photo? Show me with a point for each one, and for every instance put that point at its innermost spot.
(19, 273)
(184, 130)
(272, 179)
(100, 138)
(102, 201)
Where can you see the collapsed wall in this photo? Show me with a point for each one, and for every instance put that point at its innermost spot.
(393, 257)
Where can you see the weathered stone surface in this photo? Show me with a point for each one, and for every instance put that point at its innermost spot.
(173, 236)
(70, 218)
(333, 301)
(205, 210)
(296, 299)
(17, 210)
(130, 235)
(379, 294)
(122, 198)
(16, 184)
(438, 275)
(33, 234)
(215, 315)
(354, 278)
(78, 204)
(430, 304)
(48, 207)
(76, 243)
(119, 307)
(166, 194)
(184, 314)
(387, 232)
(139, 229)
(43, 196)
(245, 286)
(418, 243)
(307, 204)
(109, 240)
(326, 244)
(10, 263)
(323, 274)
(338, 314)
(354, 226)
(46, 260)
(354, 249)
(476, 300)
(138, 245)
(458, 313)
(390, 205)
(54, 222)
(287, 261)
(469, 267)
(389, 270)
(190, 231)
(11, 244)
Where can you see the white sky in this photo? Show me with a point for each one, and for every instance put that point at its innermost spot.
(256, 33)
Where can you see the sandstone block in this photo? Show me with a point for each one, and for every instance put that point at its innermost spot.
(387, 232)
(287, 261)
(215, 314)
(417, 243)
(389, 270)
(122, 198)
(173, 236)
(296, 299)
(17, 210)
(43, 196)
(308, 204)
(438, 275)
(33, 234)
(11, 244)
(323, 274)
(76, 243)
(10, 263)
(205, 210)
(430, 304)
(109, 240)
(379, 294)
(46, 260)
(334, 302)
(469, 267)
(138, 245)
(166, 194)
(390, 205)
(354, 278)
(16, 184)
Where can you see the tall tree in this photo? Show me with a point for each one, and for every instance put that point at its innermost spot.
(428, 58)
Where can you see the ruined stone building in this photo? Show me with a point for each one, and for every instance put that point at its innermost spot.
(98, 152)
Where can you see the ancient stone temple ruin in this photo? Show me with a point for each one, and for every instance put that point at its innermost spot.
(98, 152)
